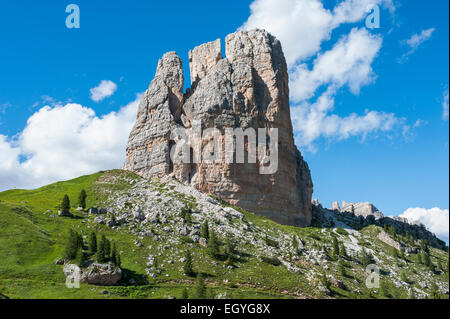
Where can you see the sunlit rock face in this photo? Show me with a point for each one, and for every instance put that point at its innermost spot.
(249, 90)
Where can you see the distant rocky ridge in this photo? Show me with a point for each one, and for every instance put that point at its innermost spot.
(365, 214)
(358, 209)
(247, 89)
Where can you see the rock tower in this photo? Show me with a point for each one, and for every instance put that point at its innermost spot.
(247, 89)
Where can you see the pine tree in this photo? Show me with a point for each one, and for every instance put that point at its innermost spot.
(188, 218)
(439, 266)
(341, 268)
(183, 213)
(184, 294)
(295, 243)
(412, 294)
(404, 277)
(114, 253)
(107, 249)
(343, 251)
(335, 247)
(101, 251)
(187, 267)
(426, 259)
(434, 293)
(419, 259)
(186, 215)
(79, 258)
(213, 246)
(82, 199)
(230, 250)
(93, 243)
(65, 205)
(424, 247)
(118, 260)
(200, 288)
(394, 252)
(365, 257)
(324, 280)
(72, 245)
(205, 230)
(384, 289)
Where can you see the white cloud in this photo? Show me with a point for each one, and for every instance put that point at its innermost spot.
(313, 121)
(64, 142)
(102, 91)
(347, 63)
(415, 41)
(303, 26)
(435, 219)
(445, 106)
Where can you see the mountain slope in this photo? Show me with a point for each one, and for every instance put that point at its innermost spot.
(148, 221)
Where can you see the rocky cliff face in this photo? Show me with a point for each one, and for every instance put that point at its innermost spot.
(247, 89)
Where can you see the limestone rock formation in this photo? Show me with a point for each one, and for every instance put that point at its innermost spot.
(95, 274)
(387, 239)
(361, 209)
(247, 89)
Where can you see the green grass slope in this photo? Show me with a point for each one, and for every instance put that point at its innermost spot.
(32, 237)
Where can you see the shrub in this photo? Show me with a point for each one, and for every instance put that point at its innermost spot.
(365, 258)
(271, 242)
(341, 231)
(271, 261)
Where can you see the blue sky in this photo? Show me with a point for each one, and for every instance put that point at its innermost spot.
(396, 166)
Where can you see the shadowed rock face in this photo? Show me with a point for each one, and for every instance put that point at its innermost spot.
(247, 89)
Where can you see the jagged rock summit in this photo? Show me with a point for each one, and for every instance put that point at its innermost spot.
(247, 89)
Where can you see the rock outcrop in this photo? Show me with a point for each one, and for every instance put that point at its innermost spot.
(247, 90)
(360, 209)
(95, 274)
(387, 239)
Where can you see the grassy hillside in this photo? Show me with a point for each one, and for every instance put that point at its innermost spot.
(33, 236)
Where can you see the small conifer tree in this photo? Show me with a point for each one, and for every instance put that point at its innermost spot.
(82, 199)
(335, 247)
(205, 230)
(187, 267)
(213, 246)
(184, 294)
(101, 251)
(93, 243)
(65, 204)
(200, 287)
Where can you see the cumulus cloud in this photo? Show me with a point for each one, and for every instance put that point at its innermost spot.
(435, 219)
(315, 120)
(104, 90)
(415, 41)
(63, 142)
(445, 106)
(303, 26)
(347, 63)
